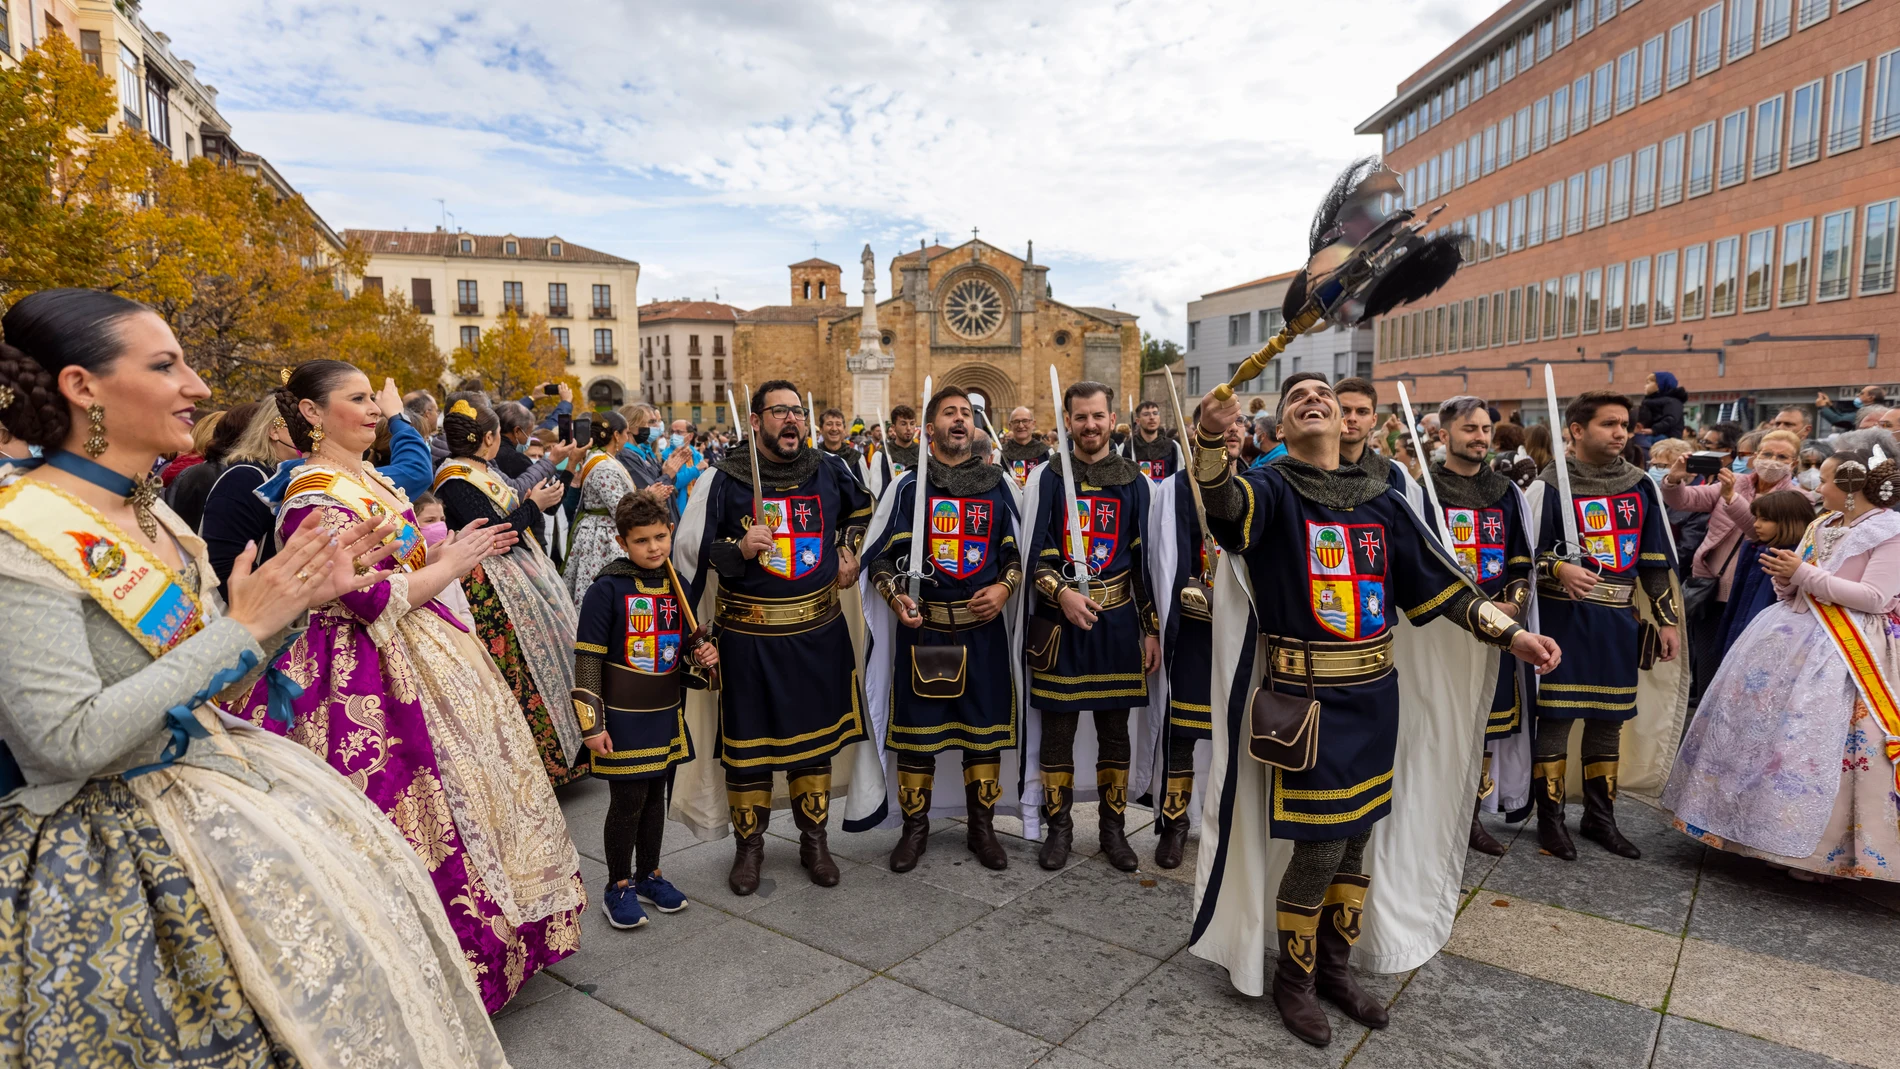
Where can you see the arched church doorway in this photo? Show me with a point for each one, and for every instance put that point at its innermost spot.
(989, 381)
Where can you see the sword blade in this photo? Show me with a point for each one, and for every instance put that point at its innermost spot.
(1562, 460)
(1187, 471)
(752, 439)
(919, 515)
(1425, 473)
(1078, 553)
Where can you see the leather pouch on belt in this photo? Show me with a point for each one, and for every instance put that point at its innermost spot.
(1041, 640)
(1283, 729)
(938, 671)
(1648, 645)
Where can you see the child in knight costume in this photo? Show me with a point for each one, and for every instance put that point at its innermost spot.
(775, 529)
(943, 673)
(1590, 565)
(1488, 522)
(1093, 638)
(629, 696)
(1314, 746)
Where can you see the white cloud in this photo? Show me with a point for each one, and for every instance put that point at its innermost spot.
(1153, 151)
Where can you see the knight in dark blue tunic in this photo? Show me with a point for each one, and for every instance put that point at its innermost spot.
(952, 686)
(791, 697)
(1153, 451)
(1624, 538)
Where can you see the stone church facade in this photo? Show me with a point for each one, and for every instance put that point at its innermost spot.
(974, 316)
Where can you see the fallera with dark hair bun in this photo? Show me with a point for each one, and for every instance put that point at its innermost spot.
(46, 332)
(605, 426)
(466, 421)
(312, 381)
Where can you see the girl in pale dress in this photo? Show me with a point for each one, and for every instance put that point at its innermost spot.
(1791, 755)
(603, 482)
(403, 701)
(177, 887)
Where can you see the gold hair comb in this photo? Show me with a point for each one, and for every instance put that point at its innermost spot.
(463, 408)
(283, 376)
(6, 395)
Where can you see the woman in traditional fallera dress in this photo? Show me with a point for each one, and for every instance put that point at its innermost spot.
(409, 707)
(178, 888)
(521, 608)
(602, 484)
(1791, 755)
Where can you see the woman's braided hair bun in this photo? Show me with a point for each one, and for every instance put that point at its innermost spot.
(1883, 484)
(466, 422)
(31, 407)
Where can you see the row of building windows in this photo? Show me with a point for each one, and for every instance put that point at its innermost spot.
(1742, 272)
(1240, 328)
(513, 297)
(649, 349)
(1788, 127)
(471, 339)
(1639, 75)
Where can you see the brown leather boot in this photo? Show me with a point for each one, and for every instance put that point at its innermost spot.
(982, 786)
(1293, 988)
(1480, 839)
(1547, 781)
(811, 805)
(913, 797)
(1172, 822)
(1112, 783)
(1599, 807)
(751, 811)
(1338, 930)
(1058, 819)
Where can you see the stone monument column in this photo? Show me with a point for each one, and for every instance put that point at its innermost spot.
(870, 366)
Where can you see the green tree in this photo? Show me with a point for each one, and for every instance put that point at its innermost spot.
(1156, 353)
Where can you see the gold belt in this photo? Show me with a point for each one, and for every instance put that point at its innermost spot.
(1335, 664)
(764, 616)
(940, 615)
(1606, 592)
(1113, 593)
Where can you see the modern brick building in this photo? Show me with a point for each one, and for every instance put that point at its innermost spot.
(1700, 186)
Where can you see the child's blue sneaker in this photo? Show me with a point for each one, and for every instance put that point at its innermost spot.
(655, 891)
(623, 906)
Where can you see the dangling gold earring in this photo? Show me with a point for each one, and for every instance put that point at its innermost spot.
(316, 438)
(96, 441)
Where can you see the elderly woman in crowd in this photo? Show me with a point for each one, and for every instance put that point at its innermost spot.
(1790, 755)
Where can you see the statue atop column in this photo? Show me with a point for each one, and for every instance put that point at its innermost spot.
(870, 366)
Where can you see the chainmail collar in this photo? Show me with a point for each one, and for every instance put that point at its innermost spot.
(1162, 448)
(1034, 450)
(1111, 470)
(1347, 486)
(905, 456)
(968, 479)
(1375, 463)
(626, 569)
(1480, 491)
(772, 474)
(1613, 478)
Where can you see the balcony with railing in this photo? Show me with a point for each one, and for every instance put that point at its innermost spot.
(558, 311)
(468, 308)
(603, 311)
(605, 356)
(519, 308)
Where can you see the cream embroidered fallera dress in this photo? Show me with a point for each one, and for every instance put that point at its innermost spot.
(244, 906)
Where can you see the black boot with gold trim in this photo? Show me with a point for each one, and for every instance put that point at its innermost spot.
(751, 808)
(1294, 993)
(1058, 818)
(913, 797)
(1339, 928)
(811, 805)
(1547, 782)
(1599, 807)
(1481, 839)
(1172, 821)
(1111, 781)
(982, 787)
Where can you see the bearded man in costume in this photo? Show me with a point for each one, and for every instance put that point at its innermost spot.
(943, 676)
(769, 568)
(1154, 452)
(1613, 603)
(1319, 626)
(898, 453)
(1488, 522)
(1023, 449)
(1093, 652)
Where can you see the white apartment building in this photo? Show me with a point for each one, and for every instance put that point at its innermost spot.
(1227, 326)
(685, 351)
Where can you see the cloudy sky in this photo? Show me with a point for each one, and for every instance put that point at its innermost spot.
(1152, 150)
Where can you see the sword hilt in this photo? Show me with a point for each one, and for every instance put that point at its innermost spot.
(1255, 364)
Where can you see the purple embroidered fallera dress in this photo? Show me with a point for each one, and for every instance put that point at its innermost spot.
(407, 706)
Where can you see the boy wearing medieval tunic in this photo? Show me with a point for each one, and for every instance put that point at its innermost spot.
(1487, 518)
(945, 669)
(1023, 450)
(1154, 453)
(1588, 603)
(1105, 643)
(1331, 556)
(791, 697)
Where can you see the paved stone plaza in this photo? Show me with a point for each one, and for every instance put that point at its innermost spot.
(1687, 958)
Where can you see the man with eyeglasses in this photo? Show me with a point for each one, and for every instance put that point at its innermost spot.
(899, 452)
(768, 572)
(1024, 449)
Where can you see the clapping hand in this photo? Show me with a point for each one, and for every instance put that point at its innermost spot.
(1781, 563)
(313, 568)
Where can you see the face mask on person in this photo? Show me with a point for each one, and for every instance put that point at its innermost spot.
(677, 440)
(1771, 472)
(640, 436)
(1809, 479)
(1657, 473)
(1739, 465)
(434, 532)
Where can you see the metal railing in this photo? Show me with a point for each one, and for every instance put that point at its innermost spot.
(604, 356)
(557, 311)
(468, 308)
(603, 311)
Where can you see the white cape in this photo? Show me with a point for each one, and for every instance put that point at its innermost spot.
(1415, 857)
(1511, 757)
(1150, 766)
(872, 802)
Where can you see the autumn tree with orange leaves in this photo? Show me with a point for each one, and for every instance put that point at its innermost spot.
(246, 278)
